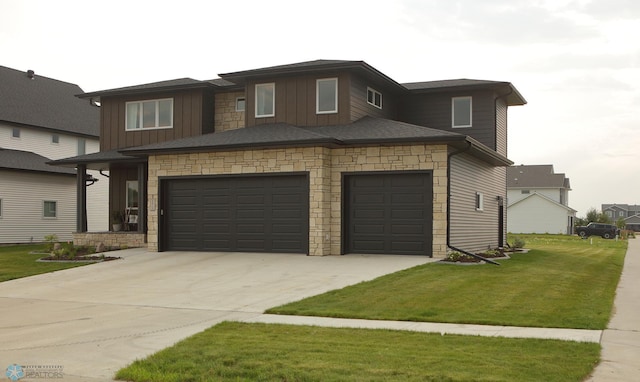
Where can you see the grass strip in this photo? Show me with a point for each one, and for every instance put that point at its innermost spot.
(17, 261)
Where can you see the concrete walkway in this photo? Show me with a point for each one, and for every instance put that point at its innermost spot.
(621, 340)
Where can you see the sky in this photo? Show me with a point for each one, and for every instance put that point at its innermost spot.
(576, 62)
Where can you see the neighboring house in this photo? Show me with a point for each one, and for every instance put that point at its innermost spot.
(42, 119)
(630, 213)
(320, 158)
(538, 200)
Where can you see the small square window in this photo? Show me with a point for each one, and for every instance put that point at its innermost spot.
(265, 100)
(15, 133)
(240, 104)
(55, 138)
(461, 112)
(479, 201)
(374, 98)
(50, 209)
(82, 146)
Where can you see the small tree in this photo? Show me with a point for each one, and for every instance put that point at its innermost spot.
(620, 223)
(592, 215)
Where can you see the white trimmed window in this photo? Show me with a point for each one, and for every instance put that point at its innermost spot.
(461, 112)
(265, 100)
(55, 138)
(240, 104)
(0, 208)
(479, 201)
(374, 98)
(132, 202)
(50, 209)
(82, 146)
(327, 96)
(15, 133)
(149, 114)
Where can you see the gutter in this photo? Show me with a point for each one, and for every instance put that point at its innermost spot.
(469, 145)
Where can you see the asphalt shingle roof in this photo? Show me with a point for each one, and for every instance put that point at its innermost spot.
(513, 96)
(28, 161)
(535, 176)
(46, 103)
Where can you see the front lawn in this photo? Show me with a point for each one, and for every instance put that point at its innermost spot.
(258, 352)
(17, 261)
(563, 282)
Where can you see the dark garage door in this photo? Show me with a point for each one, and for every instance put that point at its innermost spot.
(389, 213)
(237, 214)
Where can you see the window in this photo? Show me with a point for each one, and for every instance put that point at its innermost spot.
(525, 191)
(621, 214)
(82, 146)
(131, 213)
(240, 104)
(49, 209)
(609, 214)
(374, 98)
(461, 111)
(15, 133)
(327, 96)
(55, 138)
(479, 201)
(0, 208)
(265, 100)
(152, 114)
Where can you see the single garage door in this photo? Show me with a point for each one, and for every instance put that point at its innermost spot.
(236, 214)
(389, 213)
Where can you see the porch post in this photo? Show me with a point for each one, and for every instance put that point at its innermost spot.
(81, 198)
(142, 198)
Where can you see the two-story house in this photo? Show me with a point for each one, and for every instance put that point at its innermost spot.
(321, 158)
(538, 200)
(42, 119)
(630, 213)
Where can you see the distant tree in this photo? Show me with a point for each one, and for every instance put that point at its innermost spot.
(580, 222)
(604, 218)
(592, 215)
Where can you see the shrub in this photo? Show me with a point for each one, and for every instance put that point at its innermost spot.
(51, 240)
(518, 243)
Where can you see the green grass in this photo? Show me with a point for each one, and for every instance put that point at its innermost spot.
(564, 282)
(259, 352)
(16, 261)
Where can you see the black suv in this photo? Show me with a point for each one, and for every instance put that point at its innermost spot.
(607, 231)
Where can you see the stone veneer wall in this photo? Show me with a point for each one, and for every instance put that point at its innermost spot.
(325, 167)
(110, 239)
(227, 118)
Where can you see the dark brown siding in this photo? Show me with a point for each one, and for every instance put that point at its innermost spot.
(360, 107)
(296, 101)
(192, 115)
(118, 177)
(473, 230)
(434, 110)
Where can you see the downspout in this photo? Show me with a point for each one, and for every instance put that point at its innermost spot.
(449, 208)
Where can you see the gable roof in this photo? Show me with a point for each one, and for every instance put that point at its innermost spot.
(545, 199)
(29, 99)
(509, 91)
(535, 176)
(367, 130)
(28, 161)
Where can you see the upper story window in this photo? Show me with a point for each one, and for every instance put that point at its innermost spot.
(265, 100)
(82, 146)
(609, 214)
(150, 114)
(525, 192)
(15, 133)
(240, 104)
(479, 201)
(461, 112)
(374, 98)
(55, 138)
(0, 208)
(327, 95)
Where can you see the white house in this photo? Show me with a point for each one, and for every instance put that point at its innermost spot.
(41, 119)
(538, 200)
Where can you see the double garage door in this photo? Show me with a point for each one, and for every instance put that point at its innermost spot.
(385, 213)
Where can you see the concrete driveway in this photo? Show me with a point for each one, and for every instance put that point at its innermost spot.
(91, 321)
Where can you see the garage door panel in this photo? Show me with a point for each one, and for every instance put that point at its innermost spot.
(239, 213)
(389, 213)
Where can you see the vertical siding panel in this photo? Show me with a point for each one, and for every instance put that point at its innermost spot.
(281, 100)
(301, 102)
(292, 96)
(473, 230)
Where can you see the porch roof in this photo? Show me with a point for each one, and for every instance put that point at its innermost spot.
(97, 161)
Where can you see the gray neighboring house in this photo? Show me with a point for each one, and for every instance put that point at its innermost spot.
(326, 157)
(538, 200)
(629, 212)
(42, 119)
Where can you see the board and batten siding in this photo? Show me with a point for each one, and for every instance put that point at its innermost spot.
(192, 116)
(295, 101)
(473, 230)
(23, 195)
